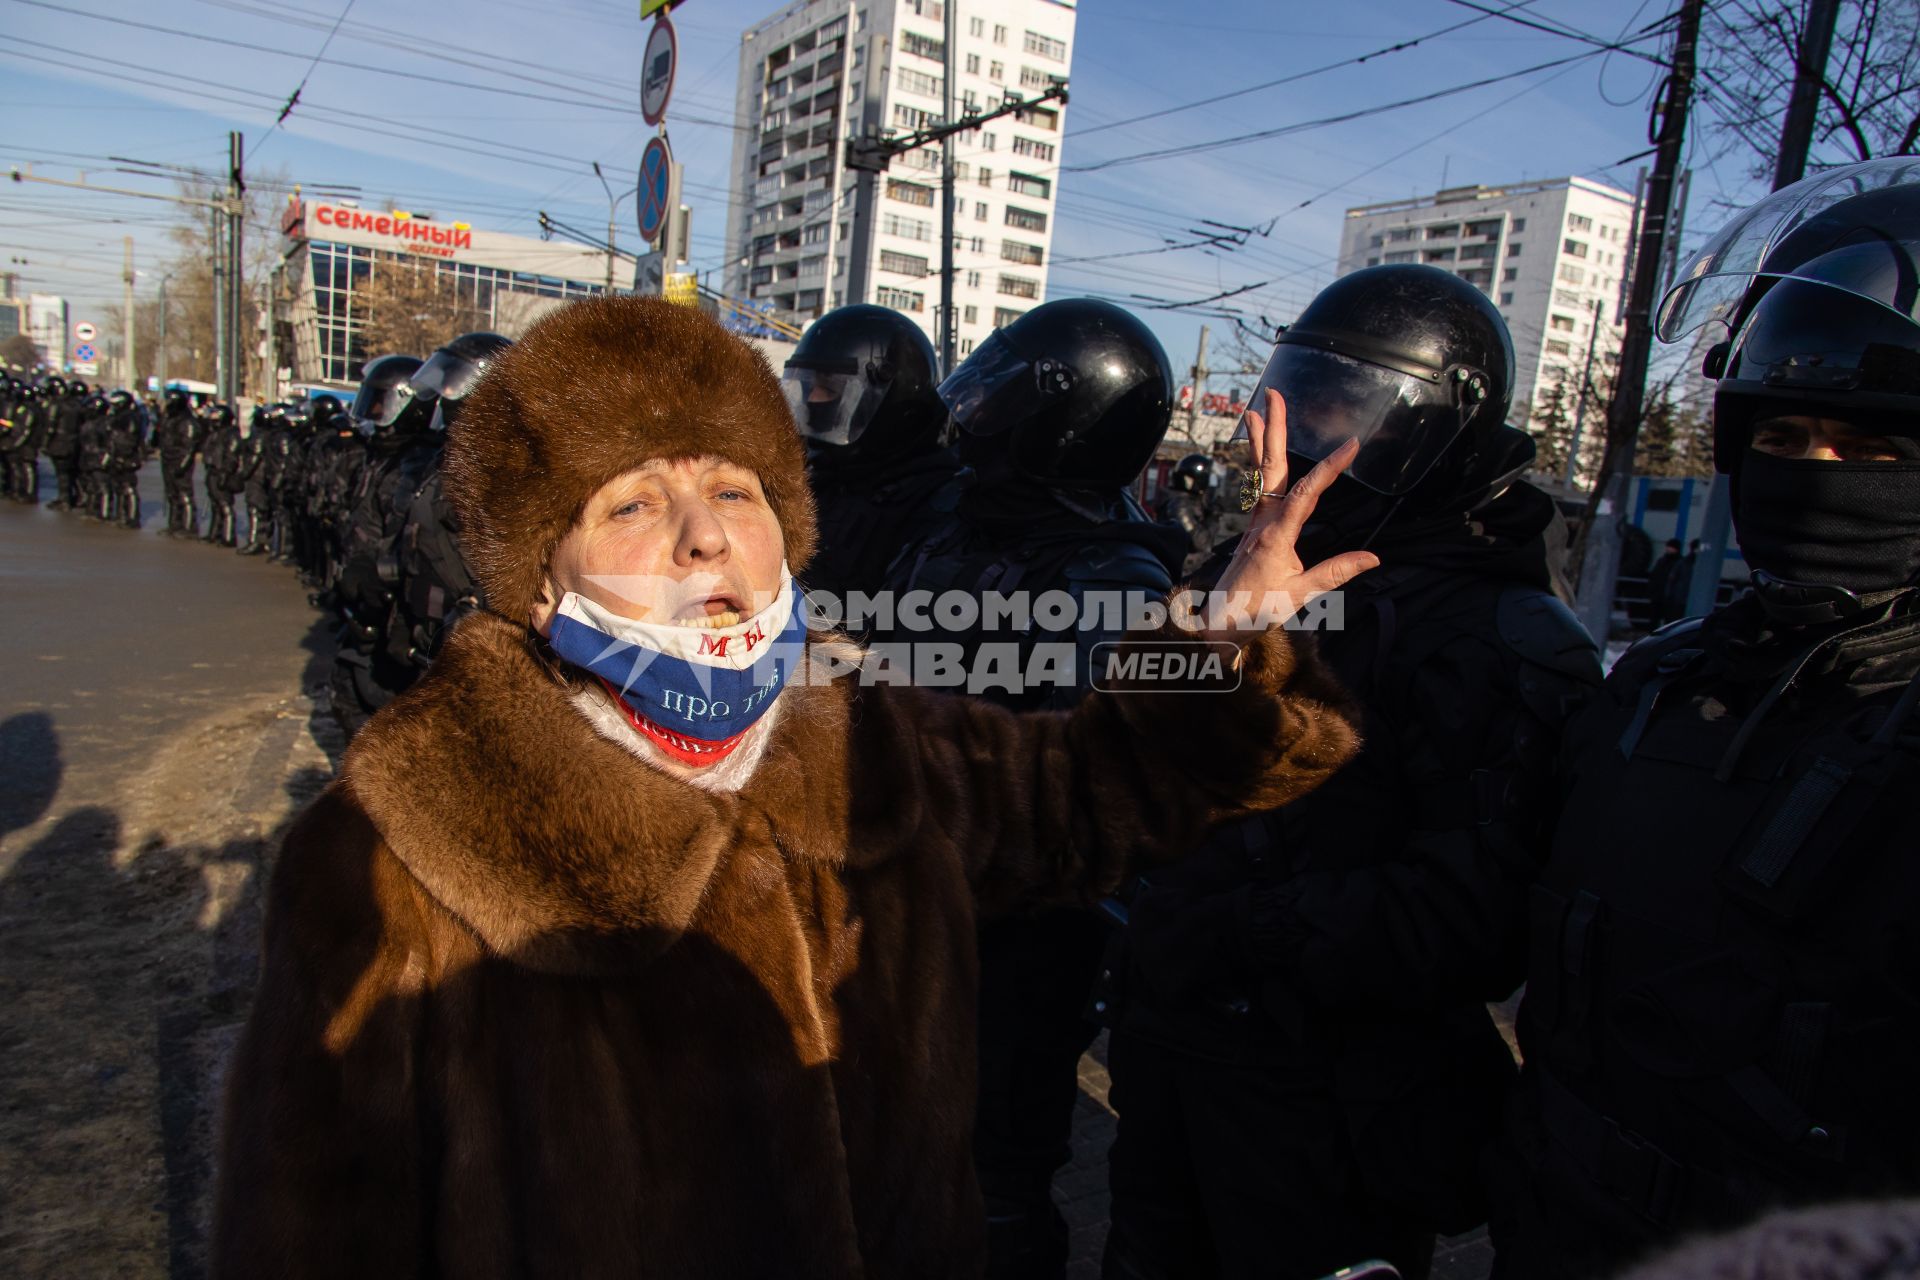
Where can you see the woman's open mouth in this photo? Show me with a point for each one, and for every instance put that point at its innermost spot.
(714, 612)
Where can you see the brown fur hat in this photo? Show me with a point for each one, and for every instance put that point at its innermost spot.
(594, 390)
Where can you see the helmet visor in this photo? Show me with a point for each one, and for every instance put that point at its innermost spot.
(994, 389)
(1876, 264)
(446, 375)
(377, 406)
(831, 406)
(1403, 422)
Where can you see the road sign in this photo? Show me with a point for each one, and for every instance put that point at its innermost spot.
(85, 353)
(84, 331)
(656, 70)
(650, 7)
(656, 182)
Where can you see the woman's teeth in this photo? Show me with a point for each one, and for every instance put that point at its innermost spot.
(725, 618)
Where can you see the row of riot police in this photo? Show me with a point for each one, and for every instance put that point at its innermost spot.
(1701, 870)
(96, 441)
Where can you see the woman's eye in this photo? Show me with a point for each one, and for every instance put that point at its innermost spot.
(628, 509)
(733, 495)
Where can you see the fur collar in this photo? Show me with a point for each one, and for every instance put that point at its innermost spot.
(557, 846)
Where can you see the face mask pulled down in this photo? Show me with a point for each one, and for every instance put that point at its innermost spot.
(693, 691)
(1841, 524)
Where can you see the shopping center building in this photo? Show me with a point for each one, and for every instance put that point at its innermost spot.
(333, 250)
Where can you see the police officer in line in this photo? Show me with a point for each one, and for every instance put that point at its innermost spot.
(219, 447)
(401, 449)
(93, 458)
(65, 408)
(1303, 1064)
(32, 416)
(263, 466)
(436, 588)
(1059, 413)
(178, 437)
(126, 452)
(289, 502)
(249, 457)
(862, 384)
(13, 409)
(1188, 506)
(339, 452)
(1723, 1007)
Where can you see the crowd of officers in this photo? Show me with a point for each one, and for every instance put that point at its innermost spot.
(1701, 870)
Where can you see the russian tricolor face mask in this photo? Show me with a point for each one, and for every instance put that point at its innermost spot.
(694, 691)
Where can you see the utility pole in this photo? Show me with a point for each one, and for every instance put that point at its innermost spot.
(160, 351)
(217, 231)
(610, 212)
(1200, 372)
(1796, 139)
(126, 318)
(1580, 405)
(948, 342)
(1600, 561)
(236, 263)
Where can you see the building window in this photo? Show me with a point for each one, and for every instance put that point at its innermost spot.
(1566, 297)
(1579, 222)
(1439, 255)
(978, 244)
(1040, 118)
(966, 344)
(999, 34)
(1574, 248)
(1519, 225)
(986, 177)
(923, 46)
(1510, 275)
(1477, 252)
(973, 279)
(1035, 150)
(976, 27)
(1572, 274)
(910, 193)
(997, 72)
(991, 141)
(910, 228)
(900, 299)
(815, 234)
(1513, 249)
(1373, 262)
(1004, 316)
(1034, 78)
(973, 64)
(1443, 231)
(903, 264)
(1488, 227)
(1558, 348)
(917, 81)
(1560, 324)
(1400, 234)
(1026, 184)
(1027, 255)
(1045, 46)
(912, 118)
(1506, 299)
(1026, 219)
(1404, 255)
(979, 211)
(1019, 287)
(969, 315)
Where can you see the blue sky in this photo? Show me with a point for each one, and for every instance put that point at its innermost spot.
(490, 110)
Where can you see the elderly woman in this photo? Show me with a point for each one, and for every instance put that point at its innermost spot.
(633, 941)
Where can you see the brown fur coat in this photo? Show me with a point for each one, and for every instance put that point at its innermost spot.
(532, 1008)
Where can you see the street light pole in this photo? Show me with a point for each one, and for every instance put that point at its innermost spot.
(610, 208)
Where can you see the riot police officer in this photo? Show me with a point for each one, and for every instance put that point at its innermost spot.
(93, 458)
(1058, 413)
(400, 450)
(219, 448)
(1721, 1012)
(1186, 508)
(863, 389)
(33, 414)
(436, 588)
(179, 435)
(13, 405)
(65, 410)
(263, 465)
(1303, 1063)
(289, 499)
(126, 452)
(337, 456)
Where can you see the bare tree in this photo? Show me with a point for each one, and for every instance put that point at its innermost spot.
(411, 306)
(1869, 103)
(21, 352)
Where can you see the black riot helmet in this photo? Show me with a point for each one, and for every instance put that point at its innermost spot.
(453, 371)
(863, 378)
(220, 413)
(1192, 474)
(178, 401)
(1818, 290)
(327, 414)
(297, 418)
(76, 389)
(385, 403)
(1402, 358)
(1075, 394)
(120, 401)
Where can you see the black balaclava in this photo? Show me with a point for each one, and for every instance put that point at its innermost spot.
(1854, 525)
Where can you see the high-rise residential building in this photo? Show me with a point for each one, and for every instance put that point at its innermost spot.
(802, 236)
(1553, 255)
(47, 326)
